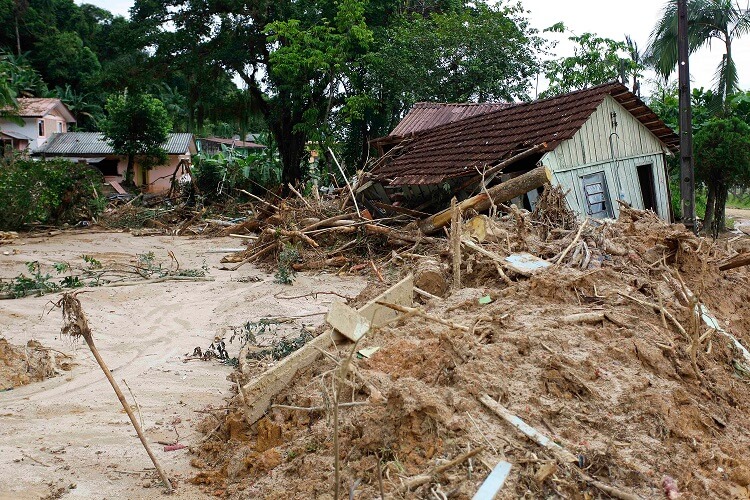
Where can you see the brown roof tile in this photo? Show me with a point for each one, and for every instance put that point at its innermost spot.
(456, 149)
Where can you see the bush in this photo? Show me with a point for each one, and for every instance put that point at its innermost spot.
(47, 192)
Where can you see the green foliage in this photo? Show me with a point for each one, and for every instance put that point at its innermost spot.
(46, 191)
(595, 60)
(722, 151)
(229, 169)
(722, 21)
(286, 273)
(63, 59)
(36, 282)
(281, 348)
(137, 125)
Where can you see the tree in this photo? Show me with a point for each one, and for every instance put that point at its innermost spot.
(137, 125)
(722, 160)
(595, 60)
(708, 20)
(332, 70)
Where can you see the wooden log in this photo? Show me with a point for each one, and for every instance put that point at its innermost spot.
(430, 277)
(400, 235)
(500, 193)
(320, 264)
(735, 262)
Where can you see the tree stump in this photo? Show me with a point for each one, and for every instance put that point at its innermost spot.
(430, 277)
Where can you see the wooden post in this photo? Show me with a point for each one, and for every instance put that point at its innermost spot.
(456, 243)
(498, 194)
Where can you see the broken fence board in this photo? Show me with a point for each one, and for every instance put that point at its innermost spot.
(347, 321)
(494, 482)
(259, 392)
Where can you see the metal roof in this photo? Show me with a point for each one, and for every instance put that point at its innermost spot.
(427, 115)
(94, 143)
(456, 149)
(15, 135)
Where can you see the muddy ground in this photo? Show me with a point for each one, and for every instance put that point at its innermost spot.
(68, 436)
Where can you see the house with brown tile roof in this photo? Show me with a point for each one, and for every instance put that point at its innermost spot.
(37, 120)
(601, 144)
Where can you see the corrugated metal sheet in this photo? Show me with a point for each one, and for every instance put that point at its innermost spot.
(427, 115)
(94, 143)
(457, 149)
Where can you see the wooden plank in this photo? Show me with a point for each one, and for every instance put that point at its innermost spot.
(258, 393)
(117, 187)
(494, 482)
(347, 321)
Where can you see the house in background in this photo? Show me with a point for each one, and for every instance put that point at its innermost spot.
(601, 144)
(213, 145)
(41, 117)
(93, 148)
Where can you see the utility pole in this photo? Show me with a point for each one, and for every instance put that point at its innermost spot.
(687, 177)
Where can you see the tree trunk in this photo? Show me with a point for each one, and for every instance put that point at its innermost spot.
(291, 145)
(719, 224)
(130, 172)
(18, 38)
(496, 194)
(708, 218)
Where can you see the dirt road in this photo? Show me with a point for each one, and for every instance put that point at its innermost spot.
(68, 436)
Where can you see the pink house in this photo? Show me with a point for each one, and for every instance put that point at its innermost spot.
(93, 148)
(40, 119)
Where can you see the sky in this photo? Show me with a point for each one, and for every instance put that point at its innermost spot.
(607, 18)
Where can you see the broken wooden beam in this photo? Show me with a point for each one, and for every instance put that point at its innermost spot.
(500, 193)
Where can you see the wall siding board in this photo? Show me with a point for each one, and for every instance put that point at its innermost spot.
(589, 152)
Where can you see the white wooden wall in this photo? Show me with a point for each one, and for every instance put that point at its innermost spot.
(589, 151)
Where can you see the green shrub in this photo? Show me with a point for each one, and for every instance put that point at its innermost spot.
(47, 192)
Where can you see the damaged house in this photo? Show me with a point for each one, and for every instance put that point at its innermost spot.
(600, 145)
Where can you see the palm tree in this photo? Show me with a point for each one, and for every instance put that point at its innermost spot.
(638, 63)
(708, 20)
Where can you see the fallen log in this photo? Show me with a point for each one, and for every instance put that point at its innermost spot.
(735, 262)
(500, 193)
(400, 235)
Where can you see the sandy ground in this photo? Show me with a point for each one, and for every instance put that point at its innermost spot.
(741, 218)
(71, 430)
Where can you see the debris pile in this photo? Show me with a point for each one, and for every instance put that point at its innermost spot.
(321, 235)
(21, 365)
(589, 360)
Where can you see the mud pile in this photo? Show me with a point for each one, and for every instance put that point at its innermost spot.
(602, 351)
(21, 365)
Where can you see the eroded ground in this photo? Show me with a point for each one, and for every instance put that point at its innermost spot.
(70, 429)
